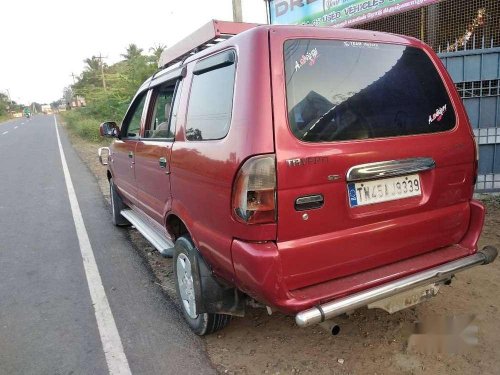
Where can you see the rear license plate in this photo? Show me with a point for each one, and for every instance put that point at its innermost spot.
(406, 299)
(387, 189)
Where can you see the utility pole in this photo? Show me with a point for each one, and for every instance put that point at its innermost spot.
(73, 75)
(100, 57)
(268, 11)
(237, 16)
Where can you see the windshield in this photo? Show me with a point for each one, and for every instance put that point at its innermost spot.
(344, 90)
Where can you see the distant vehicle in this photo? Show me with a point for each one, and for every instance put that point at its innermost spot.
(314, 170)
(26, 112)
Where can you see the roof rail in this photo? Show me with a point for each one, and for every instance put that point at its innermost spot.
(206, 36)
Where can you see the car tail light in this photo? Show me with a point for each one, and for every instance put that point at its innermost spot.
(254, 191)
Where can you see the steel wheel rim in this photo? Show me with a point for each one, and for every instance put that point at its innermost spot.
(186, 288)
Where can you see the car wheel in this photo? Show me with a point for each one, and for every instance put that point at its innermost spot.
(116, 206)
(187, 280)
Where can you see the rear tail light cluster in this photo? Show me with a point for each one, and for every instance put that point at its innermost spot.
(254, 191)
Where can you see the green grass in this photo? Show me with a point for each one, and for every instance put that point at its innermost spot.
(82, 125)
(4, 118)
(490, 200)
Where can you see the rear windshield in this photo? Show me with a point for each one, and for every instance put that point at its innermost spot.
(344, 90)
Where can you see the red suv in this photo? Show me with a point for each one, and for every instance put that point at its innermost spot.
(310, 169)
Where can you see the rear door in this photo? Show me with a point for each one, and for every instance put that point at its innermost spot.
(374, 158)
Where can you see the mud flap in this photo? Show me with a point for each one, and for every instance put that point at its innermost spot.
(212, 295)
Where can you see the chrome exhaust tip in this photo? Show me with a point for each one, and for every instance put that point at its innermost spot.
(331, 327)
(490, 253)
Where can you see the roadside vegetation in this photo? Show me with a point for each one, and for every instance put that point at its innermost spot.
(7, 106)
(107, 90)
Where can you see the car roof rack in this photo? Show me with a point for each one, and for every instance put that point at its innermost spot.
(206, 36)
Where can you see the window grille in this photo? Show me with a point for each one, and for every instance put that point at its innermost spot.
(450, 25)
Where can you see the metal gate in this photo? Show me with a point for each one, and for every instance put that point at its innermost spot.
(476, 74)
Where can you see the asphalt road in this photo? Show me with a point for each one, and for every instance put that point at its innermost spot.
(48, 321)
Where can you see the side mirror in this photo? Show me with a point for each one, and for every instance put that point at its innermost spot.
(109, 129)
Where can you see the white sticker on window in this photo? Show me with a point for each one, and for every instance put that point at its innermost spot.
(310, 57)
(349, 43)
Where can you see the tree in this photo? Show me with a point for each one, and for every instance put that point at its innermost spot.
(4, 104)
(122, 80)
(93, 64)
(156, 52)
(68, 96)
(132, 52)
(90, 77)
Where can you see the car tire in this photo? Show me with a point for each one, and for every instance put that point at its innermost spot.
(116, 206)
(186, 280)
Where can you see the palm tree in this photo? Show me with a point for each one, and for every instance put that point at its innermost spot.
(92, 65)
(156, 52)
(132, 52)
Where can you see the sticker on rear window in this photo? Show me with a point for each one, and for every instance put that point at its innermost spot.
(438, 115)
(349, 43)
(310, 57)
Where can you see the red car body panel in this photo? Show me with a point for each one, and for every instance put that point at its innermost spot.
(123, 174)
(153, 183)
(204, 171)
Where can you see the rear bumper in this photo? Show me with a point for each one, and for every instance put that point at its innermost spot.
(443, 272)
(258, 270)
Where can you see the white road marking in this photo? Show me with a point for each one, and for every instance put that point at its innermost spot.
(110, 338)
(15, 127)
(5, 132)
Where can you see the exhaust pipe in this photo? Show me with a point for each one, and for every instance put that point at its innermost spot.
(331, 327)
(489, 253)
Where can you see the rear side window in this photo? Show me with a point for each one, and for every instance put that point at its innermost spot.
(211, 100)
(346, 90)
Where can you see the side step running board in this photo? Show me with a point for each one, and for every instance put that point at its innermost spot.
(155, 237)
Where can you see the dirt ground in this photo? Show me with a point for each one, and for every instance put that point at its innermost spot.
(370, 341)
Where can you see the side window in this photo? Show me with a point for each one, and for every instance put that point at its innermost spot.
(132, 123)
(166, 101)
(211, 99)
(159, 126)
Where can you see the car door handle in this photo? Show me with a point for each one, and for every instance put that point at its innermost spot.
(163, 162)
